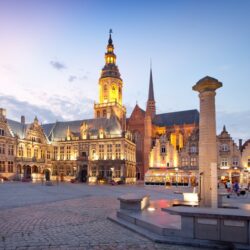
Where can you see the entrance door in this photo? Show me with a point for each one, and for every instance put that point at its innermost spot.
(47, 174)
(27, 172)
(83, 174)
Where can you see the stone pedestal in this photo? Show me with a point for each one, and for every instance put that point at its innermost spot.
(207, 141)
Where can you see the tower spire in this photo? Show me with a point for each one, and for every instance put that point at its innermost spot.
(151, 87)
(151, 99)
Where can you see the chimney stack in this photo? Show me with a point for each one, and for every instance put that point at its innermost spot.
(2, 114)
(23, 119)
(240, 144)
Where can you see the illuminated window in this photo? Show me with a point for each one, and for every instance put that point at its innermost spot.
(184, 161)
(61, 153)
(55, 153)
(36, 152)
(101, 151)
(2, 166)
(68, 150)
(29, 152)
(109, 151)
(20, 151)
(42, 154)
(193, 161)
(118, 151)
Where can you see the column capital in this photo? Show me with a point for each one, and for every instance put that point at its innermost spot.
(207, 84)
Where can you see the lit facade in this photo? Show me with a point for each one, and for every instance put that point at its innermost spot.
(93, 150)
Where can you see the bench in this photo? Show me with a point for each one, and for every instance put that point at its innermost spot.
(134, 202)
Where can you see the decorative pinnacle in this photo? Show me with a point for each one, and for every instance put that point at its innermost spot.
(110, 38)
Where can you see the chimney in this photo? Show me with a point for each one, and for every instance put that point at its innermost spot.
(23, 119)
(2, 113)
(240, 144)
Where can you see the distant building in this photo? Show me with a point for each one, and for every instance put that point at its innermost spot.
(92, 150)
(167, 147)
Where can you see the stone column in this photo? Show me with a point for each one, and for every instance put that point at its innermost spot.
(207, 141)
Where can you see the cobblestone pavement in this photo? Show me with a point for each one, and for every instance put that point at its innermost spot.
(68, 216)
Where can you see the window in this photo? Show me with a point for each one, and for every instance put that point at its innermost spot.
(235, 161)
(2, 166)
(184, 162)
(29, 152)
(20, 151)
(101, 151)
(248, 162)
(36, 153)
(42, 154)
(61, 153)
(98, 114)
(48, 154)
(224, 162)
(93, 171)
(104, 113)
(1, 132)
(10, 149)
(68, 152)
(2, 148)
(117, 173)
(193, 149)
(109, 151)
(118, 151)
(193, 161)
(224, 147)
(55, 153)
(163, 149)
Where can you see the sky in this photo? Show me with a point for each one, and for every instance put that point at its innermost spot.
(52, 53)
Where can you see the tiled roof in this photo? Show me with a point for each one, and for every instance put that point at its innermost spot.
(177, 118)
(17, 128)
(58, 130)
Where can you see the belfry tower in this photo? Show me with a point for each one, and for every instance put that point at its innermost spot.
(110, 88)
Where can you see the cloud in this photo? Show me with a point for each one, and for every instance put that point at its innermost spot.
(59, 108)
(237, 124)
(72, 78)
(15, 108)
(58, 65)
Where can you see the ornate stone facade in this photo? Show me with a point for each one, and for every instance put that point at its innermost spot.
(92, 150)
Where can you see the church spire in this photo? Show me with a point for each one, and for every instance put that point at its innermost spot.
(151, 87)
(151, 99)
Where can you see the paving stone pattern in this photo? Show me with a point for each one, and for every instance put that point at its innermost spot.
(68, 216)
